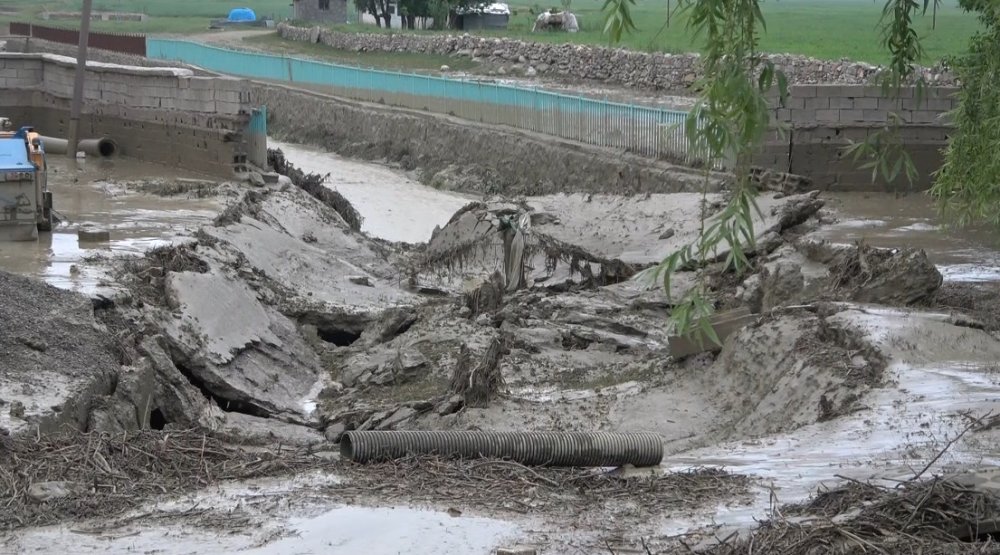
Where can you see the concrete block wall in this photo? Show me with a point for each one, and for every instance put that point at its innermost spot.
(861, 104)
(20, 73)
(821, 120)
(163, 115)
(168, 88)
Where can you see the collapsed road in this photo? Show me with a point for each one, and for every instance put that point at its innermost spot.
(240, 355)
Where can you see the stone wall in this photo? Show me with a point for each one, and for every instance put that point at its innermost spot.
(657, 71)
(162, 115)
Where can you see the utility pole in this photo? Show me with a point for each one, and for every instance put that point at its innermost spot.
(81, 71)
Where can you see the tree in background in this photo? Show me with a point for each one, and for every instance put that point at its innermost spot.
(378, 8)
(968, 184)
(731, 116)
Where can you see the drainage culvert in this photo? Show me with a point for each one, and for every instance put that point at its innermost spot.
(529, 448)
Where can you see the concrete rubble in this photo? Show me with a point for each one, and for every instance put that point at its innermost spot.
(281, 323)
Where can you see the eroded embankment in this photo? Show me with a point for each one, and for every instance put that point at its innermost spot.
(280, 322)
(452, 154)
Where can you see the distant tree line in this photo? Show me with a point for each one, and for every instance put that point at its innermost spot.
(410, 10)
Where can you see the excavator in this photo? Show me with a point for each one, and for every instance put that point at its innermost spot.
(25, 199)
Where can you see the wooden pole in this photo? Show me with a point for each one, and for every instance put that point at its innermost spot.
(81, 71)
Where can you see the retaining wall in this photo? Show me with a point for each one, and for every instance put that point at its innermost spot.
(823, 119)
(161, 115)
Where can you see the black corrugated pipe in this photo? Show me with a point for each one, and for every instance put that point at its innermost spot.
(529, 448)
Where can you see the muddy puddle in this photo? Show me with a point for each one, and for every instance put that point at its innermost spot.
(92, 194)
(939, 373)
(284, 517)
(884, 220)
(395, 207)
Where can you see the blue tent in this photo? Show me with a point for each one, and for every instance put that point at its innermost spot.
(242, 14)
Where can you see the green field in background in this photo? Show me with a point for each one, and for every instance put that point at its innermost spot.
(830, 29)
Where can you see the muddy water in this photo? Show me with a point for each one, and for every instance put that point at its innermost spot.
(394, 206)
(89, 194)
(912, 221)
(286, 516)
(939, 371)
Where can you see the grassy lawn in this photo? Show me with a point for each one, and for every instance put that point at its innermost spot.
(382, 60)
(830, 29)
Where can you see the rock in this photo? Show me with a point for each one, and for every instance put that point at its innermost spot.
(269, 430)
(404, 367)
(886, 276)
(531, 72)
(751, 293)
(401, 415)
(93, 235)
(271, 177)
(391, 323)
(17, 409)
(331, 456)
(517, 550)
(308, 237)
(450, 405)
(334, 432)
(34, 343)
(47, 491)
(502, 71)
(445, 68)
(360, 280)
(256, 179)
(781, 284)
(667, 234)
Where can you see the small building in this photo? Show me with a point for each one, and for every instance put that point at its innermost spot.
(325, 11)
(493, 16)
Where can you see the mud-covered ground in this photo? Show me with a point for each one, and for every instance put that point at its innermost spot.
(224, 367)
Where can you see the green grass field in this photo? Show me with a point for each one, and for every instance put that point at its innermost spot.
(831, 29)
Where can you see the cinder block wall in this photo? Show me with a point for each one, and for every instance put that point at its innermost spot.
(161, 115)
(821, 120)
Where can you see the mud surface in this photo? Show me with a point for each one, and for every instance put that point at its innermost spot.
(395, 206)
(885, 220)
(269, 326)
(120, 196)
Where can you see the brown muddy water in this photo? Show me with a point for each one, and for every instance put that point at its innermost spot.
(884, 220)
(395, 206)
(93, 194)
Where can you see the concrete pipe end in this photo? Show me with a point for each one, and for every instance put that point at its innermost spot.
(107, 147)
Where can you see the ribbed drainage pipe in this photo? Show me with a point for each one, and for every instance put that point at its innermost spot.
(529, 448)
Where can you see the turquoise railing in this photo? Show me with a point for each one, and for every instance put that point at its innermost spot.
(649, 131)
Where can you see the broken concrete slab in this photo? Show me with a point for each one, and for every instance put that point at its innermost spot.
(225, 312)
(314, 282)
(268, 430)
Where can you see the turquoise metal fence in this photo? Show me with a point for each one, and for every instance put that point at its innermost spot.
(644, 130)
(257, 137)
